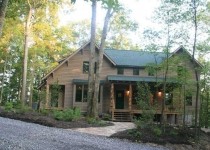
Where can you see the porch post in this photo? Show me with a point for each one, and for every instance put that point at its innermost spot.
(112, 104)
(47, 96)
(130, 97)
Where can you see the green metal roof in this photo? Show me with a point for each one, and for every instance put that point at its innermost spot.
(131, 58)
(137, 78)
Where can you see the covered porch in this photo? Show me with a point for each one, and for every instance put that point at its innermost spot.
(123, 105)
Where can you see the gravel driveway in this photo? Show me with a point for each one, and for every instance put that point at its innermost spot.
(18, 135)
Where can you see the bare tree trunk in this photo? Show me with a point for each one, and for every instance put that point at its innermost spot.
(91, 106)
(25, 61)
(3, 8)
(2, 82)
(100, 59)
(196, 71)
(165, 80)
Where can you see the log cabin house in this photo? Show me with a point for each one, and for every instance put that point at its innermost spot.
(121, 71)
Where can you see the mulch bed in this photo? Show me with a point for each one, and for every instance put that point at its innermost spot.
(35, 117)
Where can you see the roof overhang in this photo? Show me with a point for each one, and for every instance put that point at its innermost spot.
(138, 79)
(82, 81)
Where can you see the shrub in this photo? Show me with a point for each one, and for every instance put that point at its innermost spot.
(106, 117)
(44, 112)
(96, 121)
(157, 131)
(67, 114)
(8, 106)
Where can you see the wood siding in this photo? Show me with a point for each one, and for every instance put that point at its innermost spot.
(65, 74)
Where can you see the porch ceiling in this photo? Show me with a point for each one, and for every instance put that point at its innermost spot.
(138, 79)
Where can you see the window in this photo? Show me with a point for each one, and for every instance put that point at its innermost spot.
(120, 71)
(81, 93)
(188, 100)
(78, 93)
(151, 72)
(168, 98)
(181, 71)
(85, 67)
(135, 71)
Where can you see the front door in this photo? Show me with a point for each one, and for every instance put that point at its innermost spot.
(119, 99)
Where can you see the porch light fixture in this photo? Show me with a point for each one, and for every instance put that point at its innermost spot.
(127, 92)
(159, 93)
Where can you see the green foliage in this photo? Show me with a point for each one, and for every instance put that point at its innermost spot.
(96, 121)
(106, 117)
(143, 102)
(67, 114)
(157, 131)
(23, 109)
(8, 106)
(44, 112)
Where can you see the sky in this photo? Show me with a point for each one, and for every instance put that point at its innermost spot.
(141, 11)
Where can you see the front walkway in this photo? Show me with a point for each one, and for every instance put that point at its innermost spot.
(108, 130)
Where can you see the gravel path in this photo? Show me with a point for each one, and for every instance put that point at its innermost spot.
(18, 135)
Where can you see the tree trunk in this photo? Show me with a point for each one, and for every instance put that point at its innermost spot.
(165, 80)
(25, 61)
(91, 106)
(194, 63)
(100, 58)
(2, 82)
(3, 8)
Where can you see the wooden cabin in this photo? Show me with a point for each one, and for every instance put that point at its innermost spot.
(121, 71)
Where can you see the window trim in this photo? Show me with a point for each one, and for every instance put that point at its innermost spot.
(83, 67)
(135, 69)
(120, 69)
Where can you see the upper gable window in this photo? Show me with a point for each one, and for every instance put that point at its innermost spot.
(188, 99)
(120, 71)
(135, 71)
(85, 66)
(181, 71)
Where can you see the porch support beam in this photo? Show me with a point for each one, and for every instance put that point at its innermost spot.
(112, 103)
(47, 95)
(130, 97)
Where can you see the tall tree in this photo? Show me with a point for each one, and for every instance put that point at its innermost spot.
(26, 47)
(3, 8)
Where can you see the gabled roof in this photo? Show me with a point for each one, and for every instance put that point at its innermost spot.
(66, 59)
(181, 48)
(131, 58)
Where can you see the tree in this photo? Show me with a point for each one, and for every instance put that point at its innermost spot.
(26, 47)
(3, 8)
(93, 84)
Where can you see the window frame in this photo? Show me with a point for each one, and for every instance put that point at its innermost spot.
(136, 71)
(187, 100)
(120, 71)
(85, 66)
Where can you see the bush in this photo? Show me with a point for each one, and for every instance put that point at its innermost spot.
(67, 114)
(96, 121)
(106, 117)
(44, 112)
(157, 131)
(8, 106)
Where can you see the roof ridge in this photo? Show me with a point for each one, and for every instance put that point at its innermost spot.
(133, 50)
